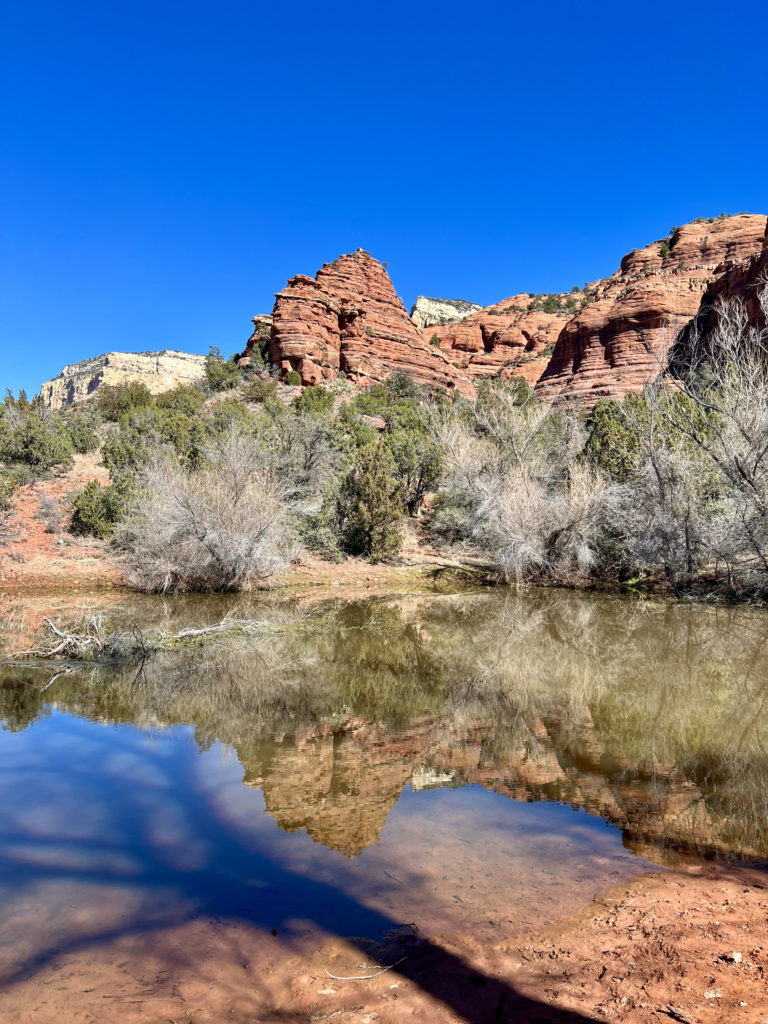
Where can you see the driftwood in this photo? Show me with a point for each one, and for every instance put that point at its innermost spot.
(90, 641)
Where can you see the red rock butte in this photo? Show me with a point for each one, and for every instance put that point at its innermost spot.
(350, 319)
(604, 342)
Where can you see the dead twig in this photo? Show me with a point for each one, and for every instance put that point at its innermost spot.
(366, 977)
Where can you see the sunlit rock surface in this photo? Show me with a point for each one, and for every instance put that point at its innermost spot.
(160, 371)
(426, 312)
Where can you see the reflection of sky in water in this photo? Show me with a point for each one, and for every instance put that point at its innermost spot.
(152, 824)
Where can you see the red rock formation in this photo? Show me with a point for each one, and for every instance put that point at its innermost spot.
(614, 345)
(349, 318)
(744, 279)
(506, 339)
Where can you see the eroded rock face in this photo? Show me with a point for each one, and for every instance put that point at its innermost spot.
(426, 312)
(615, 344)
(745, 280)
(349, 318)
(601, 343)
(506, 339)
(160, 371)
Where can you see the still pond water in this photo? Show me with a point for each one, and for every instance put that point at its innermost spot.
(485, 763)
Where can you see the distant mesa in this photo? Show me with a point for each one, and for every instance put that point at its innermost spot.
(160, 371)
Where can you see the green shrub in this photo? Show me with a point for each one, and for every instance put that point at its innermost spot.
(434, 341)
(292, 378)
(613, 444)
(260, 390)
(373, 401)
(113, 400)
(401, 385)
(221, 374)
(451, 520)
(36, 443)
(8, 487)
(185, 398)
(79, 427)
(417, 463)
(318, 401)
(369, 508)
(97, 510)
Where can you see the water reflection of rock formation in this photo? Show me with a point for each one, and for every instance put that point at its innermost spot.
(648, 714)
(341, 786)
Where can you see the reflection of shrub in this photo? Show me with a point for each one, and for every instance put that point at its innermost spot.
(292, 378)
(97, 510)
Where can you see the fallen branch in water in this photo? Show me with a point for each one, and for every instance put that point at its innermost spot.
(87, 640)
(90, 641)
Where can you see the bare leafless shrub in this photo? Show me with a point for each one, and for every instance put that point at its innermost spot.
(535, 530)
(51, 514)
(222, 527)
(513, 467)
(723, 420)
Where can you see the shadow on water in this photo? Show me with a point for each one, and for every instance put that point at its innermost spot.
(212, 886)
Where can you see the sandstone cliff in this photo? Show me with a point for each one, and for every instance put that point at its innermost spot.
(614, 345)
(160, 371)
(605, 341)
(426, 312)
(506, 339)
(745, 280)
(349, 318)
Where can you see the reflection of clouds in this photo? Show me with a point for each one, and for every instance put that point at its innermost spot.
(134, 765)
(174, 837)
(67, 858)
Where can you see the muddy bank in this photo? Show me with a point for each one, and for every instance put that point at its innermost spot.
(686, 946)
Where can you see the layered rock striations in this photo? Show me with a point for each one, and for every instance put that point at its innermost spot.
(744, 280)
(426, 312)
(348, 318)
(160, 371)
(510, 338)
(605, 341)
(616, 343)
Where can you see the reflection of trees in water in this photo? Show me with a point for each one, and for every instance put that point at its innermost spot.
(663, 702)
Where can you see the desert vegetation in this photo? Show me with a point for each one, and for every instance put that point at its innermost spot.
(217, 487)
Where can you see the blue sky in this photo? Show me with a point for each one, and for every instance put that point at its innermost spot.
(166, 166)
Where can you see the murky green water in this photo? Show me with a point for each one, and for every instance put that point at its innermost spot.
(482, 762)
